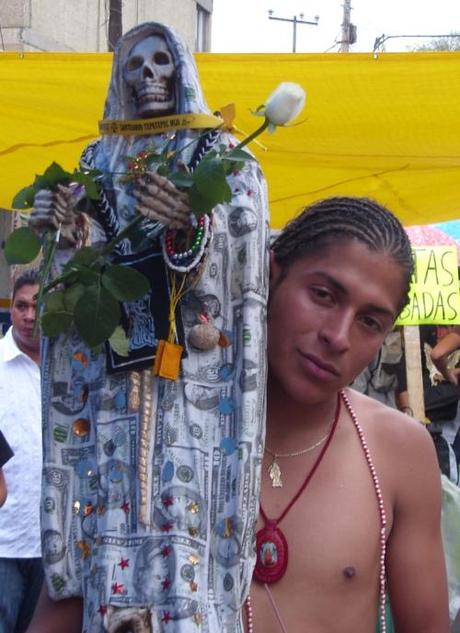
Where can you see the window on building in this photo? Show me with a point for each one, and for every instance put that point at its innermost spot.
(202, 28)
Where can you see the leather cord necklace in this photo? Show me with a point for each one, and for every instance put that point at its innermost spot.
(271, 545)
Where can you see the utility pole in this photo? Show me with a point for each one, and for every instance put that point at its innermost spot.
(295, 21)
(115, 23)
(348, 29)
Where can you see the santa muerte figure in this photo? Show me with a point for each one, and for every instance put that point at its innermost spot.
(151, 479)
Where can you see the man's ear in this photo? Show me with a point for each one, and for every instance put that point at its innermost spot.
(275, 269)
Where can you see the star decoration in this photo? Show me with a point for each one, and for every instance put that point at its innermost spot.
(166, 617)
(85, 549)
(102, 609)
(165, 551)
(166, 527)
(228, 529)
(166, 583)
(124, 562)
(198, 618)
(125, 507)
(167, 501)
(117, 587)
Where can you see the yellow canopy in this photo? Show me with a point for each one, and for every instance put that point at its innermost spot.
(388, 128)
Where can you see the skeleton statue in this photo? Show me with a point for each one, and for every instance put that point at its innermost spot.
(149, 74)
(158, 486)
(149, 71)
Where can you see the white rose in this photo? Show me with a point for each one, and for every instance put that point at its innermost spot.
(285, 103)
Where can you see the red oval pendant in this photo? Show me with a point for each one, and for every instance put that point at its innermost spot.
(272, 554)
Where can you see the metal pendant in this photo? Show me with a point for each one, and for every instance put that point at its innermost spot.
(272, 554)
(274, 472)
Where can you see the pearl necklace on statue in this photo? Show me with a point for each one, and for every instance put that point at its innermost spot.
(271, 544)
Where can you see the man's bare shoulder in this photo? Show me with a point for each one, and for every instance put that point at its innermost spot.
(388, 425)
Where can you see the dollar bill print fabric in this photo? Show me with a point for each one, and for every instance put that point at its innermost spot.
(151, 486)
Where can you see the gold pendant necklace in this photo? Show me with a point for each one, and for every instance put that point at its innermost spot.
(274, 470)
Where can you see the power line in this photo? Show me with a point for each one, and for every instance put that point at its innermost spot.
(295, 21)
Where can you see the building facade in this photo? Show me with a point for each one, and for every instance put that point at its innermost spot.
(83, 25)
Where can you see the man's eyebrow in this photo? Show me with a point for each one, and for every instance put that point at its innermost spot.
(338, 287)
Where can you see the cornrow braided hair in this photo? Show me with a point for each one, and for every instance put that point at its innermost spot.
(346, 218)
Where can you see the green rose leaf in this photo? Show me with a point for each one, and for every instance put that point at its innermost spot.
(180, 179)
(125, 284)
(88, 276)
(85, 256)
(72, 295)
(22, 246)
(199, 204)
(239, 155)
(163, 170)
(119, 342)
(55, 175)
(55, 323)
(97, 314)
(210, 181)
(55, 302)
(87, 180)
(24, 199)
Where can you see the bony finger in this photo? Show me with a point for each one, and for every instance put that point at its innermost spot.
(147, 212)
(161, 181)
(64, 191)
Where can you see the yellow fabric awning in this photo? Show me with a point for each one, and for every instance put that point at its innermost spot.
(388, 128)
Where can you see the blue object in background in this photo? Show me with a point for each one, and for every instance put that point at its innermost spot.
(5, 321)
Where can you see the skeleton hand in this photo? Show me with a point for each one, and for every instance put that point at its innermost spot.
(158, 199)
(54, 210)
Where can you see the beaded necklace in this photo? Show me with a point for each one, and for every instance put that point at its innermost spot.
(382, 533)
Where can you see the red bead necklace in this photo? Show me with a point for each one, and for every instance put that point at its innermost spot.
(271, 546)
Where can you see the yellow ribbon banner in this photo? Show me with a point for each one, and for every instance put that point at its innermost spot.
(434, 293)
(158, 125)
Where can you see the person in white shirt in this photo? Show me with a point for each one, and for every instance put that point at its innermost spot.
(21, 573)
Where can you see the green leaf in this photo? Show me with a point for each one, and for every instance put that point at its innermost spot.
(72, 295)
(180, 179)
(238, 155)
(55, 302)
(55, 175)
(88, 276)
(125, 284)
(85, 256)
(119, 342)
(210, 181)
(22, 246)
(87, 181)
(163, 170)
(232, 166)
(97, 314)
(24, 199)
(199, 204)
(54, 323)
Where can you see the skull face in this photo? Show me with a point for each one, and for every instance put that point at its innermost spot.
(150, 71)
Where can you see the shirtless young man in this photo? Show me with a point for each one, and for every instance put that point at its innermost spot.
(339, 278)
